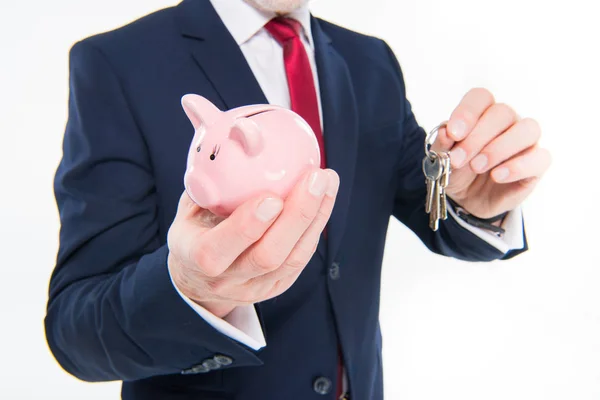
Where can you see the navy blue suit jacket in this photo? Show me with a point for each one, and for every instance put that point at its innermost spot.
(113, 313)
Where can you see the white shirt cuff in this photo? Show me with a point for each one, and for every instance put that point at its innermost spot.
(512, 225)
(241, 324)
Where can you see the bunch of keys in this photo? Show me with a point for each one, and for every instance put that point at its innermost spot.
(436, 167)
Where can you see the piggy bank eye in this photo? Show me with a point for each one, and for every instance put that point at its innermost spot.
(199, 148)
(215, 152)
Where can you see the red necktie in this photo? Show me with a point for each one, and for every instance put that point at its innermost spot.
(303, 95)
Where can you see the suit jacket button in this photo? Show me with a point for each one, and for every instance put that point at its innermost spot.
(223, 360)
(334, 271)
(211, 364)
(322, 385)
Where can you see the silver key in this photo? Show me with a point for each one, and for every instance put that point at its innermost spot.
(434, 215)
(443, 182)
(432, 168)
(436, 168)
(429, 198)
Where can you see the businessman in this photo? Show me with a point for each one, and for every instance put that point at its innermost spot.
(281, 299)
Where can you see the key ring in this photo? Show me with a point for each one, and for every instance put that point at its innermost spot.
(430, 139)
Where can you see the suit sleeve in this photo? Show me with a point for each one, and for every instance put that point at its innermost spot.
(451, 239)
(113, 313)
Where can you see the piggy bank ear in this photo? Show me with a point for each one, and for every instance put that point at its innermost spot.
(247, 133)
(199, 110)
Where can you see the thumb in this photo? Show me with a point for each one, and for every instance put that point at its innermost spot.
(191, 222)
(186, 206)
(189, 210)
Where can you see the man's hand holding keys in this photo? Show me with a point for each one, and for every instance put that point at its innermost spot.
(256, 253)
(495, 155)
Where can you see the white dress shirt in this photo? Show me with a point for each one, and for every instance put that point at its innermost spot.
(265, 58)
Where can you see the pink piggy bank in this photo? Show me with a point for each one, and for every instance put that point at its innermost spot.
(243, 152)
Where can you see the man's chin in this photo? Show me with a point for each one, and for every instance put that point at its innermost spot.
(277, 6)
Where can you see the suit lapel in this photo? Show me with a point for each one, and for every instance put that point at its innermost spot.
(340, 128)
(218, 55)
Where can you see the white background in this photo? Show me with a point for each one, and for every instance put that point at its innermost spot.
(523, 329)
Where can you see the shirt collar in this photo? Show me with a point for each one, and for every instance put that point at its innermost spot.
(243, 21)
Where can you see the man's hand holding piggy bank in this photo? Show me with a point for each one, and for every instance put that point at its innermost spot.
(257, 166)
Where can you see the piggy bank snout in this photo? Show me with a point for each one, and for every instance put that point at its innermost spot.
(202, 189)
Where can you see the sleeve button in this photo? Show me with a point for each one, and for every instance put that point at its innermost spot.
(197, 369)
(211, 364)
(223, 360)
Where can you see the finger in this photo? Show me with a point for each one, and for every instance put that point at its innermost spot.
(278, 281)
(271, 284)
(216, 249)
(492, 123)
(443, 142)
(300, 210)
(181, 234)
(275, 283)
(532, 163)
(307, 245)
(468, 112)
(186, 207)
(521, 136)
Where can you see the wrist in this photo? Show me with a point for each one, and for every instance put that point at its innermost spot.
(217, 308)
(498, 223)
(492, 224)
